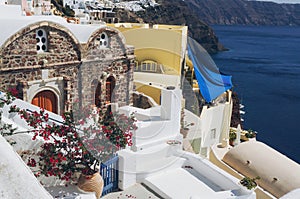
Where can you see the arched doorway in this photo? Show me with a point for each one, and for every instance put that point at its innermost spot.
(98, 94)
(47, 100)
(110, 86)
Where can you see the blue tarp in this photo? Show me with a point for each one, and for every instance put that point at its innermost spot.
(211, 82)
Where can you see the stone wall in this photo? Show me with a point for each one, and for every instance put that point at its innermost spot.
(99, 72)
(78, 64)
(115, 48)
(20, 52)
(98, 64)
(21, 63)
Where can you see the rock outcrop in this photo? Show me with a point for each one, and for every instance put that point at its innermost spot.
(196, 14)
(242, 12)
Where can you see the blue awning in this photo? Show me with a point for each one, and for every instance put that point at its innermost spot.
(211, 82)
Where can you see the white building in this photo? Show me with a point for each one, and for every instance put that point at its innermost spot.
(156, 158)
(74, 4)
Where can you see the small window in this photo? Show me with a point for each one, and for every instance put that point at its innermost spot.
(41, 41)
(213, 133)
(144, 67)
(149, 68)
(103, 40)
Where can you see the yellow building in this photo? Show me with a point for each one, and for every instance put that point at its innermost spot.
(162, 60)
(160, 52)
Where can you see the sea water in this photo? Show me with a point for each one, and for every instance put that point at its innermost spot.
(264, 63)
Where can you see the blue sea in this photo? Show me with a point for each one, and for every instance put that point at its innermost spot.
(265, 66)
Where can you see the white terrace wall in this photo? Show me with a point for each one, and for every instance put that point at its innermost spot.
(17, 181)
(211, 128)
(159, 124)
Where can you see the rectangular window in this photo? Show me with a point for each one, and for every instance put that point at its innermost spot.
(144, 67)
(41, 41)
(154, 67)
(149, 66)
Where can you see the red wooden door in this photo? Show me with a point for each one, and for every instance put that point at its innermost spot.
(46, 100)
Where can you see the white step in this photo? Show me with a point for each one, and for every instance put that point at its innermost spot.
(156, 165)
(179, 183)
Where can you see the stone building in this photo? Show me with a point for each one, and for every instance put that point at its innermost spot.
(53, 64)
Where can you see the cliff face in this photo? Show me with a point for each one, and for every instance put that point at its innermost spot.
(196, 14)
(231, 12)
(176, 12)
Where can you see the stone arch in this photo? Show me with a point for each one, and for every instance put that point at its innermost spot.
(56, 93)
(112, 33)
(43, 24)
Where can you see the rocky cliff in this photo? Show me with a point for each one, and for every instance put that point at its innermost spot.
(176, 12)
(196, 14)
(232, 12)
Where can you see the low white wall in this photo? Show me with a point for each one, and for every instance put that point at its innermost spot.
(152, 133)
(211, 127)
(135, 167)
(17, 181)
(227, 118)
(211, 172)
(215, 177)
(212, 118)
(161, 80)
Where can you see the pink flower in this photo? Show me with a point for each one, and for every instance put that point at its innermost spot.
(31, 162)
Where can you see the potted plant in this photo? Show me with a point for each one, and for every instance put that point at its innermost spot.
(249, 183)
(76, 146)
(232, 137)
(250, 134)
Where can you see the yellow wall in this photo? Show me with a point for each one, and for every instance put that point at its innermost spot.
(165, 44)
(167, 58)
(151, 91)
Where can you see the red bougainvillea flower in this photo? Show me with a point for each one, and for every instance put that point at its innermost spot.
(68, 149)
(13, 91)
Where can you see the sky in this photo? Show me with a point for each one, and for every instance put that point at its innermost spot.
(283, 1)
